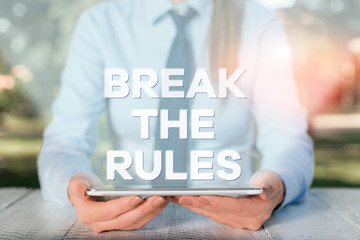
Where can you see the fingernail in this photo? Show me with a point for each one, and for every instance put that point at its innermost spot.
(185, 202)
(204, 201)
(158, 202)
(136, 201)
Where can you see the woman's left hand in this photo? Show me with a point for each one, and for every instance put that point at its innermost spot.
(249, 212)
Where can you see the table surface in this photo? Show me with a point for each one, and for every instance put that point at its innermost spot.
(326, 214)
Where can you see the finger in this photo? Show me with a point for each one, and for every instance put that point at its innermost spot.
(217, 203)
(92, 211)
(135, 218)
(269, 181)
(231, 219)
(252, 217)
(80, 182)
(77, 190)
(244, 207)
(184, 200)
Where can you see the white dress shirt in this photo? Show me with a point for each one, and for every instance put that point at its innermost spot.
(132, 34)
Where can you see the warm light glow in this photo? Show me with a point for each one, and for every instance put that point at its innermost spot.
(22, 72)
(354, 45)
(336, 121)
(6, 82)
(348, 72)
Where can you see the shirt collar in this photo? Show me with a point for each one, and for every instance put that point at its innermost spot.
(157, 9)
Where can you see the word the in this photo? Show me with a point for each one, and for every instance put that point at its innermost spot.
(181, 124)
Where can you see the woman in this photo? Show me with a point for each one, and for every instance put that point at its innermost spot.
(132, 34)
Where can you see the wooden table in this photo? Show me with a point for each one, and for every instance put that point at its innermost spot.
(326, 214)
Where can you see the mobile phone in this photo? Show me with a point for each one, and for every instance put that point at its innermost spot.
(176, 191)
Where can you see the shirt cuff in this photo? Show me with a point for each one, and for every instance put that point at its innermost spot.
(57, 190)
(294, 191)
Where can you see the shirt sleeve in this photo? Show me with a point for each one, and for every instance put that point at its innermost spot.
(71, 137)
(282, 137)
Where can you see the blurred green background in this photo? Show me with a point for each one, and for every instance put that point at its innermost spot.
(34, 40)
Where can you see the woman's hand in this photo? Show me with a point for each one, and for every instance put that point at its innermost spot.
(249, 212)
(126, 213)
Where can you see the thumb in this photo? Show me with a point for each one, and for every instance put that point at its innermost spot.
(77, 189)
(268, 180)
(268, 192)
(78, 185)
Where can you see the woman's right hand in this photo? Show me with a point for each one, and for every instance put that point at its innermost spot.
(126, 213)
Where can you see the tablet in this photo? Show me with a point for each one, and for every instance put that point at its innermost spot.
(101, 191)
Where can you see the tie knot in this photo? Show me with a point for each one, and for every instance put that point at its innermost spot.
(182, 16)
